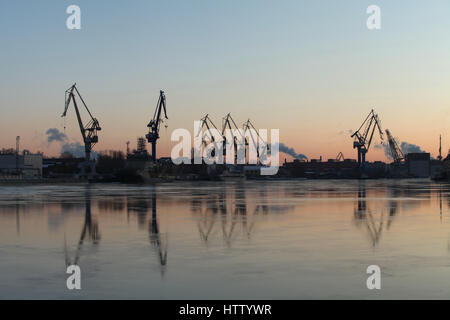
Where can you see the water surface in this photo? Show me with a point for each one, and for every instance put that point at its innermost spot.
(234, 240)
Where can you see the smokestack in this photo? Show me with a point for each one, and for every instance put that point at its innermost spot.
(17, 154)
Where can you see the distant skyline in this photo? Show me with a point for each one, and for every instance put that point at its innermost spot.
(309, 68)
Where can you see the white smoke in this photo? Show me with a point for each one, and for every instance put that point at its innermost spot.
(77, 150)
(54, 135)
(405, 147)
(290, 151)
(410, 148)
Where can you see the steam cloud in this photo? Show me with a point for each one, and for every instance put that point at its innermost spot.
(410, 148)
(386, 148)
(404, 146)
(77, 150)
(54, 135)
(290, 151)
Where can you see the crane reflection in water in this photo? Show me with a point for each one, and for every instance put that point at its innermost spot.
(90, 230)
(376, 222)
(231, 213)
(159, 241)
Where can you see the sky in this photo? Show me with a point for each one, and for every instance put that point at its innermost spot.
(311, 69)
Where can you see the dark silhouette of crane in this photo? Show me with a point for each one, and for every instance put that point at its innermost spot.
(364, 135)
(258, 142)
(238, 141)
(396, 152)
(207, 123)
(88, 131)
(153, 135)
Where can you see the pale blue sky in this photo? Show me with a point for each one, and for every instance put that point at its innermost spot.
(310, 68)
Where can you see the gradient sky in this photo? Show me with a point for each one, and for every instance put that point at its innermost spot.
(310, 68)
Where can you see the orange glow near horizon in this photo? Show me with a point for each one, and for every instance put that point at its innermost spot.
(311, 70)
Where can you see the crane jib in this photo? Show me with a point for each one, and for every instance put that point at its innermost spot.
(88, 131)
(364, 135)
(155, 123)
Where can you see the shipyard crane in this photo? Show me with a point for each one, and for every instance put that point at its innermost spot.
(88, 131)
(155, 123)
(250, 128)
(396, 153)
(364, 135)
(207, 123)
(229, 123)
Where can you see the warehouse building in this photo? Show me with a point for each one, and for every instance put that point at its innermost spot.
(418, 165)
(26, 166)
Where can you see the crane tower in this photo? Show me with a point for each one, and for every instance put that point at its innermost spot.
(154, 124)
(88, 131)
(364, 135)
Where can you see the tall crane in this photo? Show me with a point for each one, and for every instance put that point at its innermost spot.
(207, 123)
(250, 128)
(396, 152)
(229, 123)
(364, 135)
(155, 123)
(88, 131)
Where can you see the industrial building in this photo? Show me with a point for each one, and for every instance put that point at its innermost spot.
(25, 166)
(418, 165)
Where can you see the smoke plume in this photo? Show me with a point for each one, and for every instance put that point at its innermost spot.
(290, 151)
(54, 135)
(410, 148)
(386, 149)
(77, 150)
(404, 146)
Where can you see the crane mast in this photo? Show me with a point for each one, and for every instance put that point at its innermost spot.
(207, 123)
(250, 128)
(88, 131)
(396, 152)
(155, 123)
(229, 123)
(364, 135)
